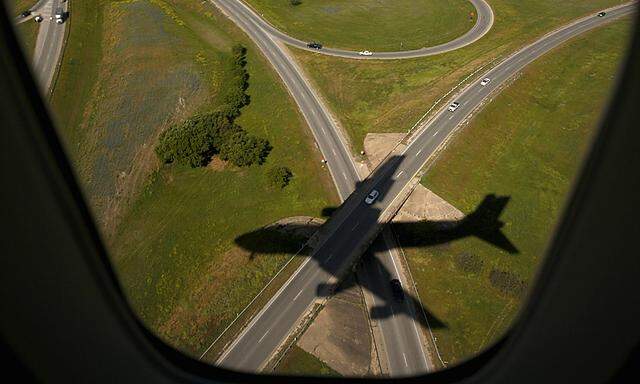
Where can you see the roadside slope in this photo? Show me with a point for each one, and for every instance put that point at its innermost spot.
(390, 96)
(132, 69)
(526, 144)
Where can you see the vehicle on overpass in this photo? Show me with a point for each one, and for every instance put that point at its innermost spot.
(373, 195)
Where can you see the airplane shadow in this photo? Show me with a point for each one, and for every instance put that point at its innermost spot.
(482, 223)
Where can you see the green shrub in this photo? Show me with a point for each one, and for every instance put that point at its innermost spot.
(242, 149)
(193, 141)
(279, 176)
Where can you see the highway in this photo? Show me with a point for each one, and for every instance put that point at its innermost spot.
(356, 223)
(48, 44)
(484, 22)
(345, 175)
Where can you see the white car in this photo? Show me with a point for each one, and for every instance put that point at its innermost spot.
(485, 81)
(365, 53)
(373, 195)
(38, 19)
(454, 106)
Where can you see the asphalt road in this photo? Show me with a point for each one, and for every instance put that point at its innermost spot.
(356, 222)
(48, 44)
(483, 24)
(343, 171)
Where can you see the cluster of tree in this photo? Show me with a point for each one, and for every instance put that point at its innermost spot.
(279, 176)
(195, 140)
(234, 95)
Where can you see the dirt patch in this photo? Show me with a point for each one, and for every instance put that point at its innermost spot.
(339, 336)
(423, 204)
(217, 164)
(378, 145)
(297, 226)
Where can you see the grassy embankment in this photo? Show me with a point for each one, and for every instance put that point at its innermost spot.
(383, 25)
(27, 31)
(527, 144)
(390, 96)
(130, 70)
(299, 362)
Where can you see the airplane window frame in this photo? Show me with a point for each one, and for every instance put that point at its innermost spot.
(59, 214)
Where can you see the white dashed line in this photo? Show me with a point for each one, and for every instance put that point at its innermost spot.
(355, 226)
(417, 153)
(263, 336)
(294, 299)
(405, 359)
(399, 173)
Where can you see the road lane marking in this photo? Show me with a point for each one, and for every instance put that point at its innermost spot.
(399, 173)
(405, 359)
(330, 257)
(355, 226)
(417, 153)
(435, 133)
(294, 299)
(263, 336)
(451, 117)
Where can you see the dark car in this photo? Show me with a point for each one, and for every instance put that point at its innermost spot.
(396, 290)
(314, 45)
(25, 13)
(601, 14)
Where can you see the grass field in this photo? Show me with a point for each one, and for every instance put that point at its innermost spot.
(132, 68)
(382, 25)
(390, 96)
(299, 362)
(527, 144)
(27, 31)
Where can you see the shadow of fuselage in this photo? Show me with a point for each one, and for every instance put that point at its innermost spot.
(351, 222)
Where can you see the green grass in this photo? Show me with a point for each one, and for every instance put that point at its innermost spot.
(28, 33)
(132, 68)
(299, 362)
(382, 25)
(527, 144)
(390, 96)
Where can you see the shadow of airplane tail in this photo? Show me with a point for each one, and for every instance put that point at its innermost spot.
(484, 223)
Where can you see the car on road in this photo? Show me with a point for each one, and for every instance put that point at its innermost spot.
(314, 45)
(371, 197)
(485, 81)
(365, 53)
(38, 19)
(60, 15)
(25, 13)
(454, 106)
(396, 290)
(601, 14)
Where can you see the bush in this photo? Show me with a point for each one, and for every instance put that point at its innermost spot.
(508, 283)
(233, 95)
(468, 262)
(295, 2)
(242, 149)
(194, 141)
(279, 176)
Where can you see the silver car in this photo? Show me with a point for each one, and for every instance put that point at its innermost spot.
(373, 195)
